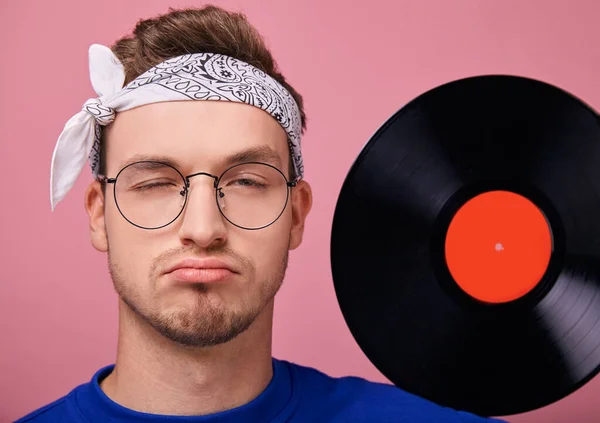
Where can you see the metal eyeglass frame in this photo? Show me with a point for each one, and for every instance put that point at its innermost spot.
(185, 191)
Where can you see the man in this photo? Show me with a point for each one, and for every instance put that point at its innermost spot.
(197, 204)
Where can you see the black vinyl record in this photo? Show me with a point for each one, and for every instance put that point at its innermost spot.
(465, 245)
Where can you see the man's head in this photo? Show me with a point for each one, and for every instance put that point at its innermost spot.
(197, 136)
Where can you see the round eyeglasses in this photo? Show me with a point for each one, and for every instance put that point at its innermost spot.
(152, 195)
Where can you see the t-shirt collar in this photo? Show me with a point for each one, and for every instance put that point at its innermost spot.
(96, 406)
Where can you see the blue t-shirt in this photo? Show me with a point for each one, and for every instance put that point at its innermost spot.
(296, 394)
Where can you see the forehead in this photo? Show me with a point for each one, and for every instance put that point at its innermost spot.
(193, 133)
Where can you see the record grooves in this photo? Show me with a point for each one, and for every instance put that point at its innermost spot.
(497, 343)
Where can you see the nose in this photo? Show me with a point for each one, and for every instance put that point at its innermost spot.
(202, 222)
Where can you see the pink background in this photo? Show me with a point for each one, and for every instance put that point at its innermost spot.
(355, 65)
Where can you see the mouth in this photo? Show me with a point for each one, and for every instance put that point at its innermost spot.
(200, 271)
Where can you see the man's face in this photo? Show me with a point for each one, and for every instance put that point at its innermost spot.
(200, 136)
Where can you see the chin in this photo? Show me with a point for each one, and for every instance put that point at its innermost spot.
(202, 328)
(203, 321)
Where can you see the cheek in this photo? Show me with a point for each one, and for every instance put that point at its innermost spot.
(130, 248)
(268, 247)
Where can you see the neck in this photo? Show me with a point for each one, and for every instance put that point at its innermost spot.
(155, 375)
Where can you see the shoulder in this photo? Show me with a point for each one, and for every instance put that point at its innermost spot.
(354, 399)
(53, 412)
(66, 408)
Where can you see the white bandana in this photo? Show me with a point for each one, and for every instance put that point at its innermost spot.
(201, 76)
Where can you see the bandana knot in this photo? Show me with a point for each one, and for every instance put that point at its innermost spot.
(104, 115)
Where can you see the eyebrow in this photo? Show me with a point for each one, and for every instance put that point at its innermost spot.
(263, 154)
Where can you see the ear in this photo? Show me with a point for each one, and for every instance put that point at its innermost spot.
(94, 206)
(301, 202)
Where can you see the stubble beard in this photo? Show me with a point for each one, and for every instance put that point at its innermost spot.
(202, 324)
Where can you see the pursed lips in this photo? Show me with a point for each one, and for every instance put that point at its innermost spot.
(200, 270)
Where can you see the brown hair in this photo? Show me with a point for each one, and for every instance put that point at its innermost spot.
(194, 30)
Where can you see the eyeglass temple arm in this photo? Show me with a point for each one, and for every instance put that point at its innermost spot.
(105, 179)
(293, 182)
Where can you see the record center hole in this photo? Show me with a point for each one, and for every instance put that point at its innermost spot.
(498, 218)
